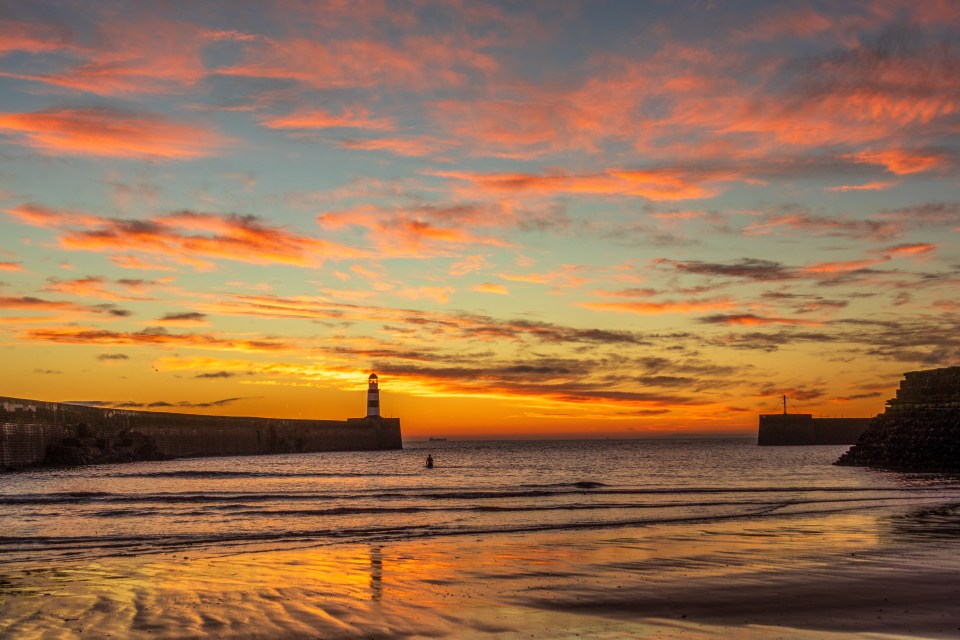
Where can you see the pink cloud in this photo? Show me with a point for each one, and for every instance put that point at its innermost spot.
(107, 132)
(413, 62)
(34, 37)
(412, 146)
(146, 54)
(354, 118)
(876, 185)
(843, 266)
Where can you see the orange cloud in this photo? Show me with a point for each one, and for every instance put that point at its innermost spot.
(186, 237)
(469, 264)
(152, 336)
(133, 262)
(667, 183)
(440, 295)
(902, 161)
(11, 266)
(842, 266)
(563, 278)
(37, 215)
(916, 249)
(490, 287)
(107, 132)
(656, 308)
(91, 287)
(415, 232)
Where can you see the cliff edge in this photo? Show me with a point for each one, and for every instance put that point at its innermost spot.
(920, 429)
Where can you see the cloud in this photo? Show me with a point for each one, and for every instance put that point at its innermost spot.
(876, 185)
(825, 226)
(151, 336)
(343, 62)
(215, 374)
(49, 372)
(750, 319)
(156, 404)
(11, 266)
(490, 287)
(33, 37)
(92, 287)
(657, 183)
(746, 269)
(107, 357)
(469, 264)
(438, 294)
(133, 262)
(900, 162)
(109, 132)
(417, 231)
(351, 118)
(185, 237)
(435, 324)
(664, 307)
(564, 277)
(41, 304)
(37, 215)
(411, 146)
(185, 317)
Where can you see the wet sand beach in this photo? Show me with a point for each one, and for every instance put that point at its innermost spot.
(705, 538)
(883, 572)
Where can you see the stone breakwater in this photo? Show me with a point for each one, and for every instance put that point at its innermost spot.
(35, 433)
(920, 429)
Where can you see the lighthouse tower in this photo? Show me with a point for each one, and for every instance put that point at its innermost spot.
(373, 397)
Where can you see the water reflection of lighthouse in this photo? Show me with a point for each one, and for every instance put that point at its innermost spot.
(373, 397)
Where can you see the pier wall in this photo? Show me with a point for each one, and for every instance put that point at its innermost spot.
(28, 428)
(803, 429)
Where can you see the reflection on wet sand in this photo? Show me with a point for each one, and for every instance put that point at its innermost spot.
(840, 575)
(376, 573)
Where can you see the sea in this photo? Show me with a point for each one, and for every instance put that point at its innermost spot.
(475, 488)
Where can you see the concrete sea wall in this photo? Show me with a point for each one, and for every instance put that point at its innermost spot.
(30, 428)
(803, 429)
(920, 429)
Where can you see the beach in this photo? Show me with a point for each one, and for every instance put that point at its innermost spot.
(882, 564)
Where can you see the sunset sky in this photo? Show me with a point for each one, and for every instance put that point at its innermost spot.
(529, 218)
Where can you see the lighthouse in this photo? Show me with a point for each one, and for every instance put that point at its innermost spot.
(373, 397)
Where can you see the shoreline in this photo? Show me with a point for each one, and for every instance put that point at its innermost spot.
(877, 570)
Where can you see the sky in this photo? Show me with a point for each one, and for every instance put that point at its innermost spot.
(530, 219)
